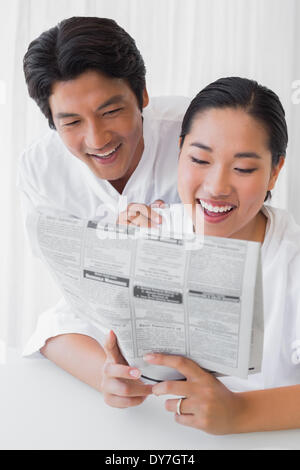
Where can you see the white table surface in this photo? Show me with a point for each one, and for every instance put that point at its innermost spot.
(43, 407)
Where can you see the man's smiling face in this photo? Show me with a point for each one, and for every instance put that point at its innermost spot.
(100, 122)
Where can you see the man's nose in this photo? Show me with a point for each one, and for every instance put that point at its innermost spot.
(96, 136)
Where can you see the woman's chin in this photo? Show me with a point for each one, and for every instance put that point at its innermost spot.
(208, 231)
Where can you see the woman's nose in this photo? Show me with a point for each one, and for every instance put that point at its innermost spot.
(217, 183)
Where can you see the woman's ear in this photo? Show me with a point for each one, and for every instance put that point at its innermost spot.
(275, 173)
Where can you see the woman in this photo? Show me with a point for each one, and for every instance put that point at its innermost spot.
(232, 149)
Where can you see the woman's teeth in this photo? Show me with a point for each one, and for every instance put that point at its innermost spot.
(215, 209)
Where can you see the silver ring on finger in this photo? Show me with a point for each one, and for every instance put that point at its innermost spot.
(178, 406)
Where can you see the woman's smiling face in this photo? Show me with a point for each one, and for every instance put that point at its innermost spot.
(224, 172)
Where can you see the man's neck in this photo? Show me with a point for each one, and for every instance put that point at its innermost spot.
(120, 183)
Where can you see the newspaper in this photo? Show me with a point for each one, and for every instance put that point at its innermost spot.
(159, 293)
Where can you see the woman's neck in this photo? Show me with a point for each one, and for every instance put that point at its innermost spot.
(256, 232)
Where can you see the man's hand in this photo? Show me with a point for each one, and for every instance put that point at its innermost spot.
(121, 386)
(141, 215)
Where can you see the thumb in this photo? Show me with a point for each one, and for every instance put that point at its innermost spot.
(111, 348)
(158, 203)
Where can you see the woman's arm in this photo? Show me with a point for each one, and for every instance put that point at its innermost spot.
(208, 405)
(80, 355)
(269, 410)
(104, 369)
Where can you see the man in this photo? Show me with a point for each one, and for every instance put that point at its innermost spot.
(88, 78)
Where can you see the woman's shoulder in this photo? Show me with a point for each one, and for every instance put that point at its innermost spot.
(283, 235)
(282, 224)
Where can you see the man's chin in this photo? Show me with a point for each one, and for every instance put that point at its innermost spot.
(115, 174)
(109, 173)
(116, 177)
(111, 176)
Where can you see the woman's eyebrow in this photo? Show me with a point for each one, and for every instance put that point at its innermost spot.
(201, 146)
(237, 155)
(247, 155)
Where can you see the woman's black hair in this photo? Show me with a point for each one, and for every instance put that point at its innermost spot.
(257, 100)
(76, 45)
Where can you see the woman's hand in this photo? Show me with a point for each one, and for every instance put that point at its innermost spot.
(141, 215)
(208, 405)
(121, 386)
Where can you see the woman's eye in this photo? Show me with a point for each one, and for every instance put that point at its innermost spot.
(239, 170)
(243, 170)
(201, 162)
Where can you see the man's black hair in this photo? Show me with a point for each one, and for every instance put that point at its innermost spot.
(76, 45)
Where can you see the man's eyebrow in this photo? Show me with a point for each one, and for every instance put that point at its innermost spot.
(113, 100)
(65, 115)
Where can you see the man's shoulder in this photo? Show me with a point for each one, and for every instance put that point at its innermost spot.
(49, 144)
(51, 177)
(45, 156)
(46, 166)
(167, 108)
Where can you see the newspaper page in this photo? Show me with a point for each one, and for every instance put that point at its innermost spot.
(160, 293)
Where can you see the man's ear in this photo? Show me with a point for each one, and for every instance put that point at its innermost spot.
(275, 173)
(145, 98)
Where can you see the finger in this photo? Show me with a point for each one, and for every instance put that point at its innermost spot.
(155, 217)
(141, 209)
(185, 406)
(132, 211)
(142, 221)
(121, 371)
(135, 209)
(136, 221)
(186, 366)
(123, 388)
(158, 203)
(121, 402)
(123, 218)
(111, 348)
(172, 387)
(186, 420)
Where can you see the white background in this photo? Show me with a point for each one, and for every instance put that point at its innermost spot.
(186, 44)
